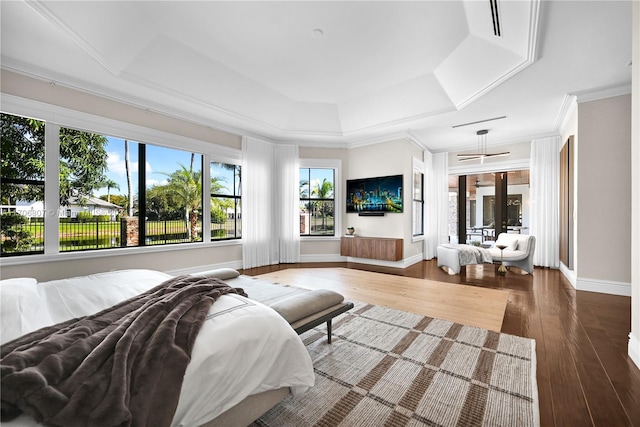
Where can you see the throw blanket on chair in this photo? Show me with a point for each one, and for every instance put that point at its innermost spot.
(468, 254)
(123, 366)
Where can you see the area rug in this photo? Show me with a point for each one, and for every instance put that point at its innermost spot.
(392, 368)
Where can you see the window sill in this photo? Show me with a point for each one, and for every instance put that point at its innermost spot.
(318, 238)
(100, 253)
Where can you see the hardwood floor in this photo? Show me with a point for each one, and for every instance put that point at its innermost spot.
(584, 374)
(469, 305)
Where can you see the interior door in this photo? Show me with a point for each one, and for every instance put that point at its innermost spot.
(566, 203)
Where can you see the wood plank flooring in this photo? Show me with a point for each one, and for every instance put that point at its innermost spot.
(469, 305)
(584, 374)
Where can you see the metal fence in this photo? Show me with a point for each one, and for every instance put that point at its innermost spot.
(78, 236)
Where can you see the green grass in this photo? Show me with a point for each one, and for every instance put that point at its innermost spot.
(99, 235)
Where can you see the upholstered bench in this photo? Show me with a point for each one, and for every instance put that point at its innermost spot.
(309, 309)
(303, 310)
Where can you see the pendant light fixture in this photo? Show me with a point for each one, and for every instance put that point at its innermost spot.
(482, 149)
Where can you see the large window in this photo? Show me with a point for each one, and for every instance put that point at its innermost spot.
(317, 202)
(113, 192)
(226, 212)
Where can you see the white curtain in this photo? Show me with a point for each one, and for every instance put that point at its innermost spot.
(287, 207)
(259, 247)
(270, 199)
(544, 199)
(437, 203)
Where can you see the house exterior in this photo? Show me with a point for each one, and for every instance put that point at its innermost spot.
(93, 205)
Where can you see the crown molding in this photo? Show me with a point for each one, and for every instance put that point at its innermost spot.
(378, 139)
(602, 93)
(567, 108)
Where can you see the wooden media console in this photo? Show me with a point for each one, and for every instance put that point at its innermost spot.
(387, 249)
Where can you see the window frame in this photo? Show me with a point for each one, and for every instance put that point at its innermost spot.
(236, 198)
(336, 165)
(418, 167)
(56, 117)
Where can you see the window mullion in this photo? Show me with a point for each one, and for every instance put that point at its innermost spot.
(206, 196)
(52, 188)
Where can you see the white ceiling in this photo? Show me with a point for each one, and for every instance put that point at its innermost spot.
(379, 69)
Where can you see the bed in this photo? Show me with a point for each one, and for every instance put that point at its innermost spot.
(245, 358)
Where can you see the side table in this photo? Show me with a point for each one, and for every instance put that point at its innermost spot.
(502, 270)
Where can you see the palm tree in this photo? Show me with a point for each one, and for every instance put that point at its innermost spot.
(186, 185)
(109, 183)
(322, 191)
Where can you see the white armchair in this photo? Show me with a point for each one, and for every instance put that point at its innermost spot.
(518, 252)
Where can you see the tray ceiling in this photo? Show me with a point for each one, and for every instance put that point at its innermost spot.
(329, 72)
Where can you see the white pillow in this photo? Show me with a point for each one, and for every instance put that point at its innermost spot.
(86, 295)
(508, 241)
(219, 273)
(22, 309)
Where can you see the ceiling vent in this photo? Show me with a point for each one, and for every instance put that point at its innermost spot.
(495, 16)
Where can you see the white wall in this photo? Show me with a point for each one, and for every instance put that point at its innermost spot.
(603, 261)
(382, 159)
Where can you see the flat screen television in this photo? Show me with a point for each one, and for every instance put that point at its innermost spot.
(375, 195)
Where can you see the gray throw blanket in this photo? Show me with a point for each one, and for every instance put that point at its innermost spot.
(468, 254)
(123, 366)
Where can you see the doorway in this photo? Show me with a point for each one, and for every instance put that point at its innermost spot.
(477, 200)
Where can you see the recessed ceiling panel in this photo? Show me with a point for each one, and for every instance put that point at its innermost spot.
(339, 71)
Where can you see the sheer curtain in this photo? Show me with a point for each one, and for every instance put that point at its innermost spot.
(437, 203)
(287, 207)
(270, 221)
(259, 245)
(545, 203)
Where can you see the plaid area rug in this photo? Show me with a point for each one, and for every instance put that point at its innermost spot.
(391, 368)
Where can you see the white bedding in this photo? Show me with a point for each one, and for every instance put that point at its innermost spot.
(243, 348)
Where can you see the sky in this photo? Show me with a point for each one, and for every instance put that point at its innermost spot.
(160, 160)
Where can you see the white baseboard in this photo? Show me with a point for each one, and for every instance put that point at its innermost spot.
(323, 258)
(305, 258)
(569, 274)
(413, 260)
(634, 350)
(603, 286)
(338, 258)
